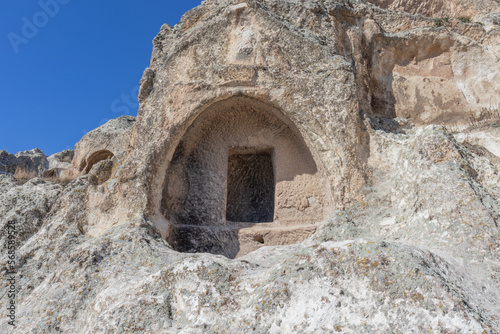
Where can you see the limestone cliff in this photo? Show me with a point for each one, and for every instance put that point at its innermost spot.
(295, 167)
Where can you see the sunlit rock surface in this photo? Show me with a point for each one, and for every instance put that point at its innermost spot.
(381, 123)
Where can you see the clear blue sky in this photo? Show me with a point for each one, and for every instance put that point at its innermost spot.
(65, 71)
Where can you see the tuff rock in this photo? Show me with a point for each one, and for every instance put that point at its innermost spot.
(378, 124)
(33, 162)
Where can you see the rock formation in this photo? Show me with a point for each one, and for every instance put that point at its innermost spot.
(295, 167)
(33, 162)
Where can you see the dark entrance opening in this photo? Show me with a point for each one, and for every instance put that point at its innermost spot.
(250, 188)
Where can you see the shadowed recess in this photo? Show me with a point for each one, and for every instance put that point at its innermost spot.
(96, 157)
(241, 168)
(250, 188)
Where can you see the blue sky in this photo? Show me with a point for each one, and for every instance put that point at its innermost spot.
(67, 66)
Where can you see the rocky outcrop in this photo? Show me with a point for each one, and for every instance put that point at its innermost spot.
(441, 70)
(58, 164)
(422, 254)
(379, 130)
(441, 8)
(7, 163)
(359, 59)
(61, 159)
(32, 163)
(35, 163)
(100, 144)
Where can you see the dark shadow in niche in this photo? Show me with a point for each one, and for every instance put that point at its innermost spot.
(205, 239)
(250, 187)
(95, 158)
(225, 174)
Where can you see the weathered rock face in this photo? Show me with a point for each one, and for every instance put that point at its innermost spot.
(100, 144)
(330, 118)
(33, 162)
(441, 8)
(355, 59)
(99, 155)
(441, 70)
(242, 167)
(486, 137)
(61, 159)
(309, 118)
(59, 163)
(421, 255)
(7, 163)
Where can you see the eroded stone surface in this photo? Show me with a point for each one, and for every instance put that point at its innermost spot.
(422, 253)
(33, 162)
(102, 143)
(441, 8)
(393, 216)
(199, 189)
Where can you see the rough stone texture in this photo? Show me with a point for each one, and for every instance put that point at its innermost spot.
(422, 255)
(441, 8)
(487, 137)
(58, 164)
(319, 64)
(110, 139)
(7, 163)
(429, 71)
(35, 163)
(250, 188)
(61, 160)
(32, 162)
(249, 51)
(27, 204)
(197, 186)
(396, 112)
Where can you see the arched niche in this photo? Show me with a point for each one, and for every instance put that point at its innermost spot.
(242, 165)
(95, 158)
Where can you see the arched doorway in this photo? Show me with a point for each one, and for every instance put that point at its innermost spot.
(242, 165)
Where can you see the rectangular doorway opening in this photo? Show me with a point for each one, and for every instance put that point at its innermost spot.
(250, 187)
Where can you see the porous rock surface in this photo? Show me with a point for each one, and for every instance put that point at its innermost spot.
(441, 8)
(384, 101)
(110, 139)
(32, 162)
(35, 162)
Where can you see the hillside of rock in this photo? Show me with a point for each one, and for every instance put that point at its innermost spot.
(380, 121)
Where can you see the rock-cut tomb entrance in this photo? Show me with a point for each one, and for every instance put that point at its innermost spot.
(242, 177)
